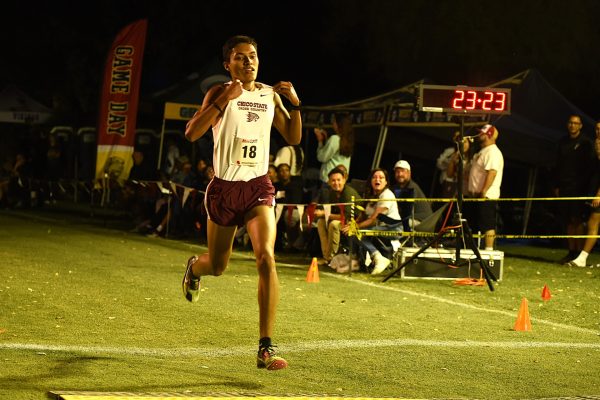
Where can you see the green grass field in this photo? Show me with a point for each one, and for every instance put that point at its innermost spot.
(86, 307)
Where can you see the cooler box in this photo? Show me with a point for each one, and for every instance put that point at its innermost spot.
(434, 263)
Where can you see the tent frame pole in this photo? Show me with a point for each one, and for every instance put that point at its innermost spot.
(381, 139)
(160, 147)
(530, 191)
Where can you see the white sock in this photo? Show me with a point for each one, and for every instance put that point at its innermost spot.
(368, 259)
(582, 257)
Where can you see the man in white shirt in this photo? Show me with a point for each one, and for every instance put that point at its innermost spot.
(485, 178)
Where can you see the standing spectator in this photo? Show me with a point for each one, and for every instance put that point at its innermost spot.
(337, 148)
(170, 164)
(485, 178)
(329, 229)
(405, 187)
(447, 184)
(574, 167)
(452, 170)
(593, 222)
(447, 163)
(293, 156)
(54, 166)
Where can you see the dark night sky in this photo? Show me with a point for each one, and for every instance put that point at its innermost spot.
(332, 51)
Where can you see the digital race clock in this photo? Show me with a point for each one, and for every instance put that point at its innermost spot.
(464, 99)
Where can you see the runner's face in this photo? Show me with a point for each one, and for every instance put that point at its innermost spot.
(598, 130)
(243, 63)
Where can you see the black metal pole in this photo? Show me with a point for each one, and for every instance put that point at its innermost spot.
(459, 187)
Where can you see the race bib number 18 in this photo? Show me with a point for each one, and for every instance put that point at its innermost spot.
(248, 152)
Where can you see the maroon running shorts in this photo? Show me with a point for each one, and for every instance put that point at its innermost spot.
(227, 202)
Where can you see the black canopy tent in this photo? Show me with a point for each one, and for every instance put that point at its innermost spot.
(389, 127)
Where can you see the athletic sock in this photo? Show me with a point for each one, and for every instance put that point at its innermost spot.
(581, 259)
(264, 342)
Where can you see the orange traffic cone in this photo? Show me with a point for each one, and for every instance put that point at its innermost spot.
(523, 322)
(313, 271)
(546, 293)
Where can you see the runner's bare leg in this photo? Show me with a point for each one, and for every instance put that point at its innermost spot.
(260, 223)
(220, 242)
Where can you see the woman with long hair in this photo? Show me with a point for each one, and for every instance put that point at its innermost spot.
(291, 155)
(336, 149)
(381, 215)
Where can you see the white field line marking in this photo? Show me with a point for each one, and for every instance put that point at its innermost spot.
(464, 305)
(294, 348)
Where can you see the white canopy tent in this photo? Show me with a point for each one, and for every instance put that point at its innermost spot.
(17, 107)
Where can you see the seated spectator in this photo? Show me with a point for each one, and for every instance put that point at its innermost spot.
(405, 187)
(344, 170)
(382, 215)
(204, 174)
(18, 192)
(5, 173)
(201, 169)
(160, 220)
(183, 219)
(312, 184)
(178, 172)
(272, 174)
(329, 230)
(137, 196)
(289, 191)
(141, 169)
(210, 172)
(205, 177)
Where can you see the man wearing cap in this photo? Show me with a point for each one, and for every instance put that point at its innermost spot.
(405, 187)
(485, 178)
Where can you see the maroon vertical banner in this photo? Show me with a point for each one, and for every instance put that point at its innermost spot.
(119, 103)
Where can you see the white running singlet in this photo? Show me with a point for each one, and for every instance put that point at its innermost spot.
(242, 135)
